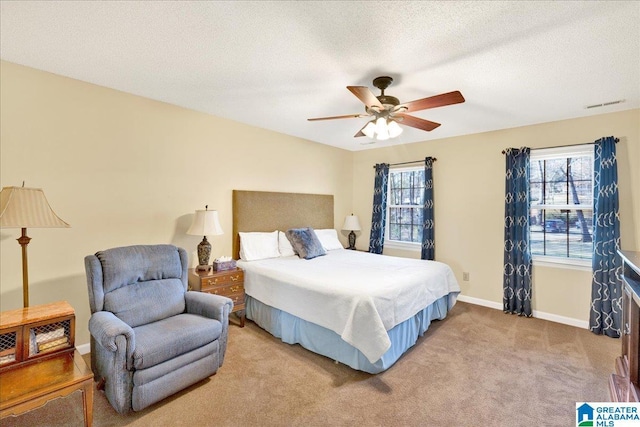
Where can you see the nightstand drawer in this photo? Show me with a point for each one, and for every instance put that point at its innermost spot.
(224, 290)
(238, 299)
(236, 277)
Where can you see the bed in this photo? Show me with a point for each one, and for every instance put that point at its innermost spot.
(360, 309)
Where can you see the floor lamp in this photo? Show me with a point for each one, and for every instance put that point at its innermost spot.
(24, 208)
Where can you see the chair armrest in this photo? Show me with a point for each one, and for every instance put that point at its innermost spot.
(104, 327)
(214, 307)
(209, 305)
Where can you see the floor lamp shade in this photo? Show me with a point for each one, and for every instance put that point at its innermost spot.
(24, 208)
(205, 223)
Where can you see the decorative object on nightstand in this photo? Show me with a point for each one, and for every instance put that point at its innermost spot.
(351, 223)
(226, 283)
(205, 223)
(24, 208)
(224, 263)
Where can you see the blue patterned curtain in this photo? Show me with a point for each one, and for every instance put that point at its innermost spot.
(517, 252)
(606, 285)
(376, 240)
(428, 229)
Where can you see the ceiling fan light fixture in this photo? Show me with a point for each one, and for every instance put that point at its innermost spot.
(382, 130)
(370, 129)
(382, 136)
(394, 129)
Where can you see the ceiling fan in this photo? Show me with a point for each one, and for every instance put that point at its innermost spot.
(387, 111)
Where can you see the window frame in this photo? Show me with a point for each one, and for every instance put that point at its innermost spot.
(580, 150)
(399, 244)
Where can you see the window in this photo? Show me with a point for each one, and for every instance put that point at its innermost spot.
(404, 207)
(561, 217)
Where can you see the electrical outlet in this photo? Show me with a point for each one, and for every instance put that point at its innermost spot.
(465, 276)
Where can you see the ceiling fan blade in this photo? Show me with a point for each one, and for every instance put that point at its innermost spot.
(434, 101)
(346, 116)
(418, 123)
(360, 131)
(365, 95)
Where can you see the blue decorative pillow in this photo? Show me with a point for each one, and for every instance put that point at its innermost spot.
(305, 242)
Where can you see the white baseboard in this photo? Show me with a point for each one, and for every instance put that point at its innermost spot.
(583, 324)
(478, 301)
(538, 314)
(84, 348)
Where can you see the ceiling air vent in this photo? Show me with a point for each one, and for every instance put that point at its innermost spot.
(604, 104)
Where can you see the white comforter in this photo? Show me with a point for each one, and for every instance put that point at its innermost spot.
(358, 295)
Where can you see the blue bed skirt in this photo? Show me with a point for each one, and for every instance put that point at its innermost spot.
(293, 330)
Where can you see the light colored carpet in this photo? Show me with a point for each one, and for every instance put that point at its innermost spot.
(477, 367)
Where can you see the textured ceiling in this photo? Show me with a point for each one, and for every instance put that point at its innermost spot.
(275, 64)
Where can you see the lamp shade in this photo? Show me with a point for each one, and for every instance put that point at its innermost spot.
(22, 207)
(205, 223)
(370, 129)
(382, 128)
(351, 223)
(394, 129)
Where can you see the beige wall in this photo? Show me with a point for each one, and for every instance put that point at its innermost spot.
(123, 170)
(469, 203)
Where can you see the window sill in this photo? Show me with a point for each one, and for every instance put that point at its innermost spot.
(570, 264)
(406, 246)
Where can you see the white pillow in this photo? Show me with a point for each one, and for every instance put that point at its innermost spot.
(256, 246)
(329, 239)
(284, 245)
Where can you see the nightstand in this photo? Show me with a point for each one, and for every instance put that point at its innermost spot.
(227, 283)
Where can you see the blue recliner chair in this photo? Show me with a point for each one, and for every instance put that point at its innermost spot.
(150, 337)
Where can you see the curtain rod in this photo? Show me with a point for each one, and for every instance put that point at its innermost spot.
(408, 163)
(567, 145)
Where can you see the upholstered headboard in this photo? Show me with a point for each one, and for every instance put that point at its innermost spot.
(269, 211)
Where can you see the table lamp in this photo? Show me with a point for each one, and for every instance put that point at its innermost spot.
(351, 223)
(24, 208)
(205, 223)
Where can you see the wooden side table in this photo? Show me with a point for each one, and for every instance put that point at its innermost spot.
(28, 387)
(40, 362)
(227, 283)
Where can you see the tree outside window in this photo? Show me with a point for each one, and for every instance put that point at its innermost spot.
(561, 218)
(405, 203)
